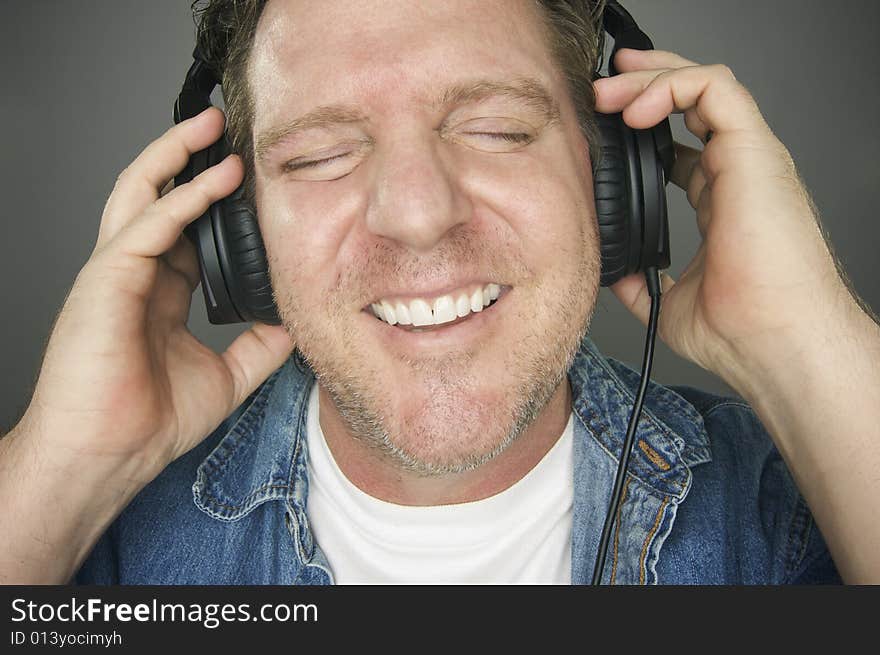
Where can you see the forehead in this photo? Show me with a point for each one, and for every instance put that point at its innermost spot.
(313, 52)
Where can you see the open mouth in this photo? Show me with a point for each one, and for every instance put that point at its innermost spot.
(429, 315)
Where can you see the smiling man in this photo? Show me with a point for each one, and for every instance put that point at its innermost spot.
(422, 175)
(429, 229)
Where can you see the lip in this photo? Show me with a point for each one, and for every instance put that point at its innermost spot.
(480, 325)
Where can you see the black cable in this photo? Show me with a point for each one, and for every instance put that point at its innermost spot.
(652, 280)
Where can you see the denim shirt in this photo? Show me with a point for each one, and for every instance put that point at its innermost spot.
(707, 498)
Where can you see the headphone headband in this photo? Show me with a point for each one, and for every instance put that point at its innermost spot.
(622, 27)
(195, 96)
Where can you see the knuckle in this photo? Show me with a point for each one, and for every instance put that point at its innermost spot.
(202, 189)
(723, 70)
(666, 73)
(165, 211)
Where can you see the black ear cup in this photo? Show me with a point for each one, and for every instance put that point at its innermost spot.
(629, 186)
(232, 259)
(614, 190)
(248, 281)
(630, 176)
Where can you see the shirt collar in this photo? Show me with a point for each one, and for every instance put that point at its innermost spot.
(261, 453)
(670, 437)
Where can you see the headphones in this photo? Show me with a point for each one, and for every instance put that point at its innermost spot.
(629, 186)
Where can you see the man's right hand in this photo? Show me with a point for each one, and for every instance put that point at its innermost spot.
(125, 388)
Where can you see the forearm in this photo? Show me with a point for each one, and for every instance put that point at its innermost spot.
(819, 397)
(54, 507)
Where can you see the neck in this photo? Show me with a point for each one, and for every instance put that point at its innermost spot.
(375, 475)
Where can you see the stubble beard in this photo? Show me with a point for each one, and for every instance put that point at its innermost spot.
(452, 431)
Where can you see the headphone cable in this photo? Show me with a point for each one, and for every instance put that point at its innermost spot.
(652, 281)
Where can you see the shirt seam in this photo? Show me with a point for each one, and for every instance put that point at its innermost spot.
(728, 403)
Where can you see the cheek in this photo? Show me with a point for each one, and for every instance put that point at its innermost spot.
(544, 207)
(305, 228)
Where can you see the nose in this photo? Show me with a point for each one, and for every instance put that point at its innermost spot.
(415, 199)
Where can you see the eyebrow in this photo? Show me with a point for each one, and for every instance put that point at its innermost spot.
(527, 90)
(317, 118)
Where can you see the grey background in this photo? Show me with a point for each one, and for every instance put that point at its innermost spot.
(86, 85)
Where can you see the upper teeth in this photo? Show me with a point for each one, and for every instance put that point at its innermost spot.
(443, 309)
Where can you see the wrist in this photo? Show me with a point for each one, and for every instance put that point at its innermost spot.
(57, 505)
(758, 362)
(817, 396)
(778, 373)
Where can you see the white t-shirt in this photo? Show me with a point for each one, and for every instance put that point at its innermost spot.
(521, 535)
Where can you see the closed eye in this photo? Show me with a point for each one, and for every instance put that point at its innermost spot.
(312, 163)
(512, 137)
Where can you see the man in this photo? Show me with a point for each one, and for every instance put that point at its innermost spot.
(414, 155)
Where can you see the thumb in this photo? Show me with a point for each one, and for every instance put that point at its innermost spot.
(254, 355)
(632, 291)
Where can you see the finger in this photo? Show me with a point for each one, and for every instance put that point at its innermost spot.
(157, 229)
(183, 258)
(720, 102)
(628, 60)
(633, 293)
(695, 125)
(687, 172)
(614, 94)
(686, 158)
(168, 186)
(704, 211)
(171, 298)
(697, 184)
(139, 184)
(253, 356)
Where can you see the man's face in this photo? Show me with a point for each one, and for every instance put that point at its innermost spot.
(436, 152)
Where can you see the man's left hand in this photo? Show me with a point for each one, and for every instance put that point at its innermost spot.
(763, 282)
